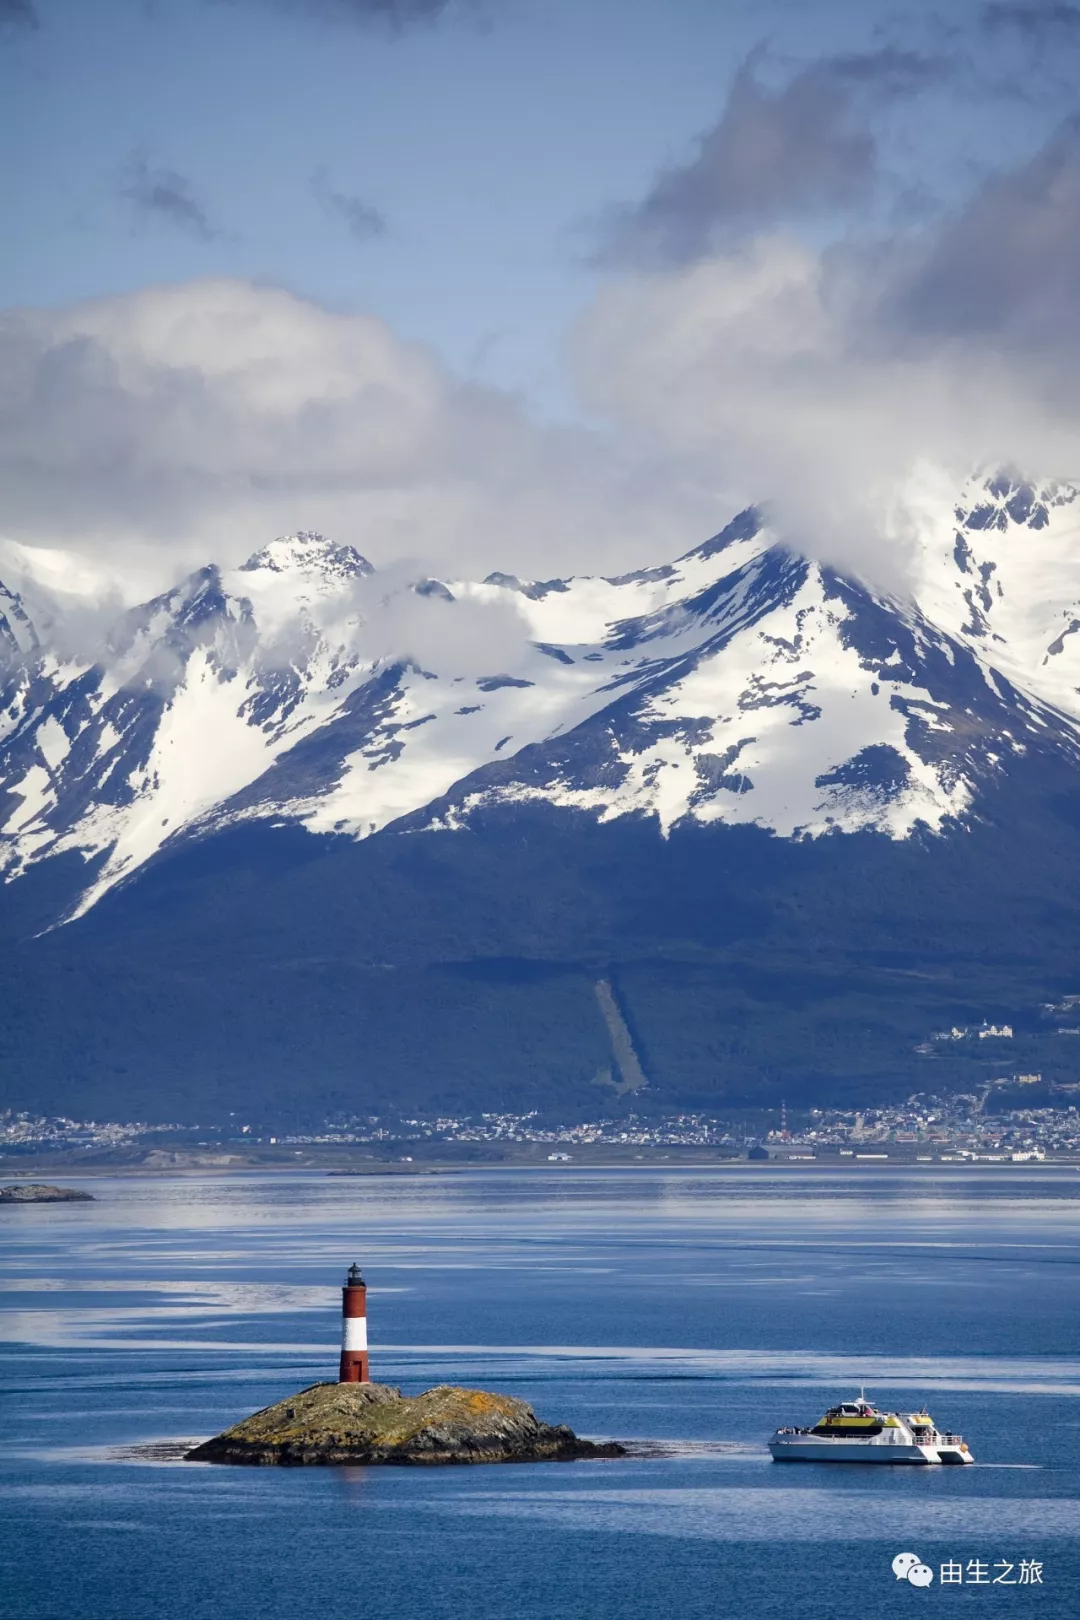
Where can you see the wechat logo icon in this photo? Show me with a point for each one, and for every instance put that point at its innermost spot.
(908, 1566)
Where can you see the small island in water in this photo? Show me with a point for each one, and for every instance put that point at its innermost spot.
(36, 1192)
(357, 1421)
(375, 1423)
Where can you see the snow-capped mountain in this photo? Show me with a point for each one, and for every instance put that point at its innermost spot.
(739, 684)
(1005, 578)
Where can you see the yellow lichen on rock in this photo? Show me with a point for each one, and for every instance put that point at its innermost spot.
(375, 1423)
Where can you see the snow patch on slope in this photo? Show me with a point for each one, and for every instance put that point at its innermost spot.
(759, 730)
(1001, 571)
(203, 752)
(738, 684)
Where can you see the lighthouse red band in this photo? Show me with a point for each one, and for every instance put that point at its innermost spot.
(354, 1350)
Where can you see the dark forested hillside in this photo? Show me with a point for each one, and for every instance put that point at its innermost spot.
(288, 977)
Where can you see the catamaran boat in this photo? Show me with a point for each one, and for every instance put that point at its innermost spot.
(858, 1432)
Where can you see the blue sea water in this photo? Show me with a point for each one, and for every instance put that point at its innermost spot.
(702, 1308)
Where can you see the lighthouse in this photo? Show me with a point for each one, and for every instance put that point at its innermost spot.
(354, 1352)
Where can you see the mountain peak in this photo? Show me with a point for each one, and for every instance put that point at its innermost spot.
(307, 552)
(738, 684)
(1007, 500)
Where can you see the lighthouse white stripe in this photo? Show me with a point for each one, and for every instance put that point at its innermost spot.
(354, 1333)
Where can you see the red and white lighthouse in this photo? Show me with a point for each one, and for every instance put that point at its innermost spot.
(354, 1352)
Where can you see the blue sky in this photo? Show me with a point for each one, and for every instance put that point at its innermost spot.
(488, 142)
(482, 147)
(483, 180)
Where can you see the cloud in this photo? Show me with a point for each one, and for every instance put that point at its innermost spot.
(1027, 49)
(392, 16)
(1037, 20)
(775, 152)
(165, 195)
(361, 220)
(18, 16)
(385, 618)
(1005, 271)
(194, 422)
(847, 382)
(73, 624)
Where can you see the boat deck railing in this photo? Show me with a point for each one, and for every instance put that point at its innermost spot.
(933, 1438)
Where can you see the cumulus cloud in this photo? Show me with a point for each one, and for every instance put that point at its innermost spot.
(776, 151)
(199, 420)
(162, 194)
(840, 381)
(360, 219)
(1005, 271)
(731, 359)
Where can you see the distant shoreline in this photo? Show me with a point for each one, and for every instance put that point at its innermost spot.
(24, 1169)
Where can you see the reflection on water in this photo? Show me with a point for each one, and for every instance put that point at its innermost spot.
(693, 1308)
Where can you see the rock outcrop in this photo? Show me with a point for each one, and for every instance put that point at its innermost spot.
(31, 1192)
(375, 1423)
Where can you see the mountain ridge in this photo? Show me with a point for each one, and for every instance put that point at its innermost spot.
(741, 682)
(793, 824)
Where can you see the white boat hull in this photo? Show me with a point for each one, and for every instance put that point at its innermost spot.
(829, 1448)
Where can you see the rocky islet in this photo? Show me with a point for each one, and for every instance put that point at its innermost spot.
(35, 1192)
(375, 1423)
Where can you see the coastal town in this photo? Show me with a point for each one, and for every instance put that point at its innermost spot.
(989, 1127)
